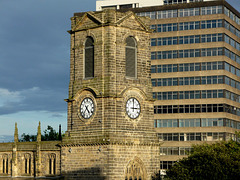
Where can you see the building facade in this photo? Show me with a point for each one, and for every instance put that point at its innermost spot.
(195, 71)
(110, 107)
(30, 159)
(140, 97)
(110, 134)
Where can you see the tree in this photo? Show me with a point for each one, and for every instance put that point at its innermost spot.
(28, 138)
(49, 134)
(220, 161)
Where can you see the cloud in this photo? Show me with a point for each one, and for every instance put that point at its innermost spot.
(33, 99)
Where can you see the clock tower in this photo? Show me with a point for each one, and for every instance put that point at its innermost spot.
(110, 132)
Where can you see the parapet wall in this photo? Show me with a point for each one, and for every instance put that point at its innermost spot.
(30, 159)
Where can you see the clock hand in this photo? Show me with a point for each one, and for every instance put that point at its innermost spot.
(87, 109)
(134, 108)
(133, 105)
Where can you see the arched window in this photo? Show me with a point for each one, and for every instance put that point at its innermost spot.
(52, 164)
(89, 58)
(5, 164)
(27, 164)
(135, 170)
(131, 56)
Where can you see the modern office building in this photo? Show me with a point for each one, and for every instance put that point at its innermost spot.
(195, 70)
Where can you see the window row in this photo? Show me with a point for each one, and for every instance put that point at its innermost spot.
(201, 80)
(187, 53)
(203, 94)
(231, 28)
(203, 136)
(192, 25)
(231, 15)
(204, 66)
(130, 56)
(166, 41)
(232, 82)
(176, 151)
(166, 164)
(167, 2)
(27, 161)
(183, 12)
(191, 12)
(168, 68)
(232, 42)
(196, 108)
(232, 69)
(232, 55)
(203, 122)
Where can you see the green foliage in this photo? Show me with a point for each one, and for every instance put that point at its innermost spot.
(28, 138)
(49, 134)
(220, 161)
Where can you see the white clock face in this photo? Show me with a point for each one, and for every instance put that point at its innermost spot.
(133, 108)
(87, 108)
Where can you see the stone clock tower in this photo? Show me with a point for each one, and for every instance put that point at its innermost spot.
(110, 108)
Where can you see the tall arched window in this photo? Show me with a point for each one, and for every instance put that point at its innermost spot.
(131, 56)
(52, 164)
(89, 58)
(27, 164)
(5, 164)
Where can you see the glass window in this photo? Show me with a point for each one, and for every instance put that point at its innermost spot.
(153, 42)
(131, 50)
(89, 57)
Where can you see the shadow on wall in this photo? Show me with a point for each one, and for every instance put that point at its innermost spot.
(83, 174)
(93, 173)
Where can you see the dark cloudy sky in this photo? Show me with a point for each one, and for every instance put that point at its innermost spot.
(34, 58)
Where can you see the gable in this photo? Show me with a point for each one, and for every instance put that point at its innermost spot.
(133, 22)
(87, 21)
(110, 17)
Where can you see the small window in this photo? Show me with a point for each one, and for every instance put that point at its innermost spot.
(131, 53)
(89, 58)
(52, 164)
(126, 6)
(5, 164)
(27, 164)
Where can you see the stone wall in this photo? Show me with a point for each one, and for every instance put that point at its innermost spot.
(108, 161)
(27, 155)
(110, 144)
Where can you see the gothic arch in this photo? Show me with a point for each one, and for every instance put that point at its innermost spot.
(27, 163)
(52, 163)
(5, 164)
(135, 170)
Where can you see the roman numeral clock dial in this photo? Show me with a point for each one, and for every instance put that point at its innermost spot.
(133, 108)
(87, 108)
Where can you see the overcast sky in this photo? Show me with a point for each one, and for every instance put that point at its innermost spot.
(34, 57)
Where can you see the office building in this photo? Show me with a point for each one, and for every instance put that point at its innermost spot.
(195, 71)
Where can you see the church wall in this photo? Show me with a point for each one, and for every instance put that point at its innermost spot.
(21, 159)
(108, 161)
